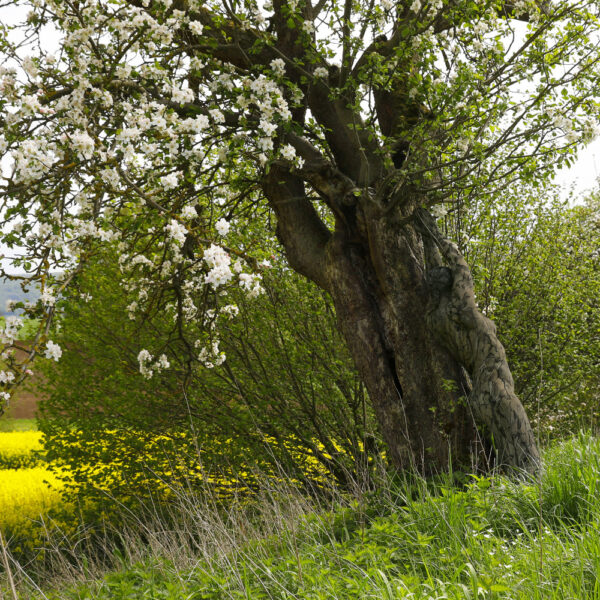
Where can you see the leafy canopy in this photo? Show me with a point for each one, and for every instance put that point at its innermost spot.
(155, 126)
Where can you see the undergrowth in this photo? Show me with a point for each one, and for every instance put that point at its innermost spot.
(411, 538)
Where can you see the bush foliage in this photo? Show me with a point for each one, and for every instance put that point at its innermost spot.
(287, 383)
(536, 266)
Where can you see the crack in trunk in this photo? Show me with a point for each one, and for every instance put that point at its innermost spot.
(392, 365)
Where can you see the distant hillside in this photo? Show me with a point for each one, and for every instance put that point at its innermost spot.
(11, 290)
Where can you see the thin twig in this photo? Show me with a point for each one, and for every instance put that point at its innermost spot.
(9, 576)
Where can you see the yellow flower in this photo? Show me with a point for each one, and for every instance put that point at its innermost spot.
(24, 494)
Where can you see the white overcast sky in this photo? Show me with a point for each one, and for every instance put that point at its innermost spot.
(583, 175)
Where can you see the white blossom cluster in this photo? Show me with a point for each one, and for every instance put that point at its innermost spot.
(6, 377)
(148, 365)
(266, 96)
(439, 211)
(524, 7)
(33, 159)
(219, 263)
(83, 144)
(176, 232)
(9, 331)
(251, 283)
(222, 226)
(588, 132)
(210, 356)
(53, 351)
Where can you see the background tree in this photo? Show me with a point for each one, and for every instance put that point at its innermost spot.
(159, 122)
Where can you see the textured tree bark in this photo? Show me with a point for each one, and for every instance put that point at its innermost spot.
(411, 324)
(453, 315)
(425, 425)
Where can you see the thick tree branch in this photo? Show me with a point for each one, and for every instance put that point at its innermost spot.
(324, 177)
(299, 228)
(329, 182)
(454, 317)
(356, 152)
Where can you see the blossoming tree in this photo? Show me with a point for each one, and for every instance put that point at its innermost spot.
(164, 126)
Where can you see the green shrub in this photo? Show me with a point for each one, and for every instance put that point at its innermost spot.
(536, 267)
(286, 399)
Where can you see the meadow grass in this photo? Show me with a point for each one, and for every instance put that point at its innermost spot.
(490, 538)
(8, 424)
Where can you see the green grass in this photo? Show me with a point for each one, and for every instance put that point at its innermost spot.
(492, 538)
(7, 424)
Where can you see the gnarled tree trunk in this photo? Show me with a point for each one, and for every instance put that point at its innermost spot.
(407, 374)
(454, 317)
(416, 343)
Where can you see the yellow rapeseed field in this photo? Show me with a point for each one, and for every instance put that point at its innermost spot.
(25, 501)
(24, 494)
(20, 442)
(17, 448)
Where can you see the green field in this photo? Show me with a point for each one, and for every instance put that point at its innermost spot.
(17, 424)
